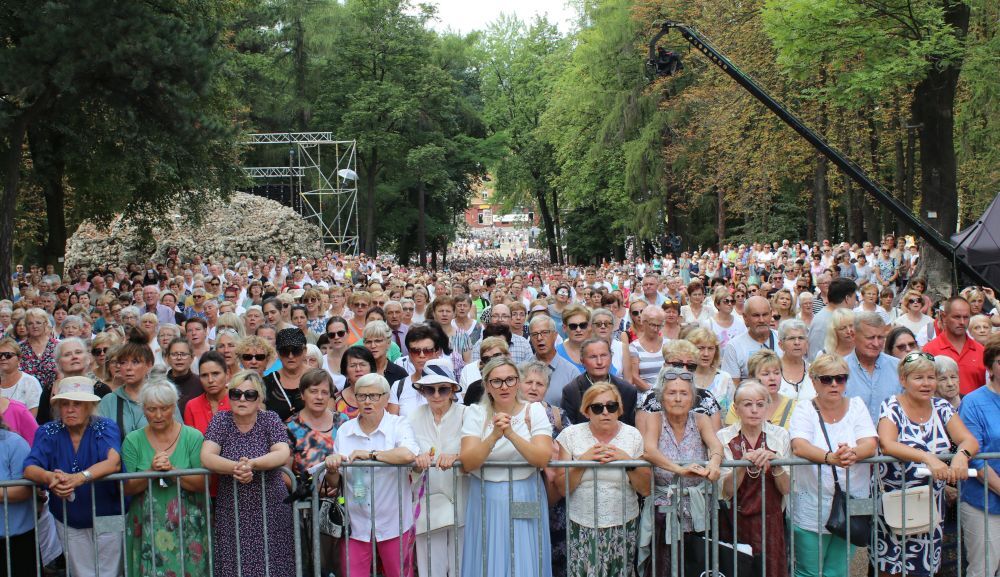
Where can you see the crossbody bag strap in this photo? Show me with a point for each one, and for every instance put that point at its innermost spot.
(822, 426)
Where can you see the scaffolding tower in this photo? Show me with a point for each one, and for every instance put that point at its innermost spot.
(324, 194)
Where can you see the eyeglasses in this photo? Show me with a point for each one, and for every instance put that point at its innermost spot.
(598, 408)
(336, 334)
(7, 356)
(653, 326)
(249, 357)
(291, 351)
(408, 309)
(689, 366)
(375, 342)
(830, 379)
(429, 391)
(179, 355)
(359, 366)
(540, 334)
(360, 305)
(906, 347)
(489, 358)
(794, 339)
(916, 356)
(502, 383)
(379, 303)
(237, 394)
(365, 397)
(603, 324)
(99, 351)
(414, 351)
(578, 326)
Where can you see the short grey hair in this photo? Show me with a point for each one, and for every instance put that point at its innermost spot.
(868, 318)
(374, 381)
(544, 318)
(531, 367)
(58, 353)
(945, 364)
(661, 385)
(158, 392)
(376, 330)
(168, 327)
(131, 311)
(788, 325)
(71, 320)
(601, 313)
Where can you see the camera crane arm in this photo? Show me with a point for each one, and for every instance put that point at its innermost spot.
(882, 196)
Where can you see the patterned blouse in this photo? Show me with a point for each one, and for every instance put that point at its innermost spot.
(688, 448)
(42, 368)
(310, 446)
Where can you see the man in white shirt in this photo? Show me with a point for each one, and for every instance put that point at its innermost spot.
(759, 335)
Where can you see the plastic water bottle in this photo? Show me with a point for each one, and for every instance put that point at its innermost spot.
(360, 485)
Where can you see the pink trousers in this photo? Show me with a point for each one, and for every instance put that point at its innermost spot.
(360, 555)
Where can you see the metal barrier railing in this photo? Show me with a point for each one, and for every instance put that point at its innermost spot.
(619, 544)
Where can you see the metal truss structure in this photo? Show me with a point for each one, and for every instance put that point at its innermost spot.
(327, 190)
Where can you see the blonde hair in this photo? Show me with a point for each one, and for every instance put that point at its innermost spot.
(839, 319)
(487, 400)
(597, 389)
(761, 360)
(749, 387)
(702, 337)
(255, 380)
(679, 347)
(493, 343)
(920, 363)
(825, 363)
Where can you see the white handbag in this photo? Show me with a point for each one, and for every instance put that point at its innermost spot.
(921, 510)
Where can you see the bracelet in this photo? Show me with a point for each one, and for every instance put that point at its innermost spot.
(826, 457)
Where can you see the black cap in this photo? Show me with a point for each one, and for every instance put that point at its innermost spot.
(290, 339)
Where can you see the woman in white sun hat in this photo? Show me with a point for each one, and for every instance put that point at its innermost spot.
(437, 426)
(79, 449)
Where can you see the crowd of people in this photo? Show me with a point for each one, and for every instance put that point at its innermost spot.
(429, 407)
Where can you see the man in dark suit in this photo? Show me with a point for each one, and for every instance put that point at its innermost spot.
(595, 354)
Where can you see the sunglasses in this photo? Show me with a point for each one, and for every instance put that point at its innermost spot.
(312, 300)
(603, 324)
(915, 301)
(249, 357)
(99, 351)
(237, 394)
(336, 334)
(489, 358)
(672, 373)
(7, 355)
(429, 391)
(636, 313)
(578, 326)
(291, 351)
(286, 305)
(422, 352)
(688, 366)
(916, 356)
(727, 301)
(911, 346)
(830, 379)
(598, 408)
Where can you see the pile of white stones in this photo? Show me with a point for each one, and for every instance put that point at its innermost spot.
(245, 224)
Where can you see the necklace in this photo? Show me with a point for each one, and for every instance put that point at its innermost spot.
(753, 471)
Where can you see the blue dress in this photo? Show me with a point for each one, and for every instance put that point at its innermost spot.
(922, 555)
(53, 449)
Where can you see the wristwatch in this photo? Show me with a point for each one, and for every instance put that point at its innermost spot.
(373, 456)
(87, 476)
(966, 453)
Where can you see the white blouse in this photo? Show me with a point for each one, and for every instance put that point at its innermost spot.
(613, 487)
(474, 425)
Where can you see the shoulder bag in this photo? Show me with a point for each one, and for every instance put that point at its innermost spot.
(840, 520)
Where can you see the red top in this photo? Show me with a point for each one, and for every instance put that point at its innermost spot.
(198, 411)
(971, 370)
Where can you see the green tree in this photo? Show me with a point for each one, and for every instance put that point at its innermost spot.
(119, 99)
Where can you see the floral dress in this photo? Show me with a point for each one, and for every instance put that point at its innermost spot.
(922, 555)
(41, 367)
(158, 515)
(257, 442)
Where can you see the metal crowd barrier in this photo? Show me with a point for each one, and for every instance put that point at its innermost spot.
(306, 521)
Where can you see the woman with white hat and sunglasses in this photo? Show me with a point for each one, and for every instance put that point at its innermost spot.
(78, 449)
(437, 426)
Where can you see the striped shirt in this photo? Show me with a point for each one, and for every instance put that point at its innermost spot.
(649, 363)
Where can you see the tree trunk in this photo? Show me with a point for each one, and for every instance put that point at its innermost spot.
(422, 224)
(548, 223)
(555, 215)
(49, 167)
(721, 223)
(821, 198)
(371, 178)
(933, 109)
(12, 175)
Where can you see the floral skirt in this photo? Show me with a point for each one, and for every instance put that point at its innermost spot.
(602, 552)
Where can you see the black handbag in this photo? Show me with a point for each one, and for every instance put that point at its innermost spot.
(731, 562)
(839, 520)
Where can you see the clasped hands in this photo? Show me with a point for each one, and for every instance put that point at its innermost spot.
(243, 470)
(62, 484)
